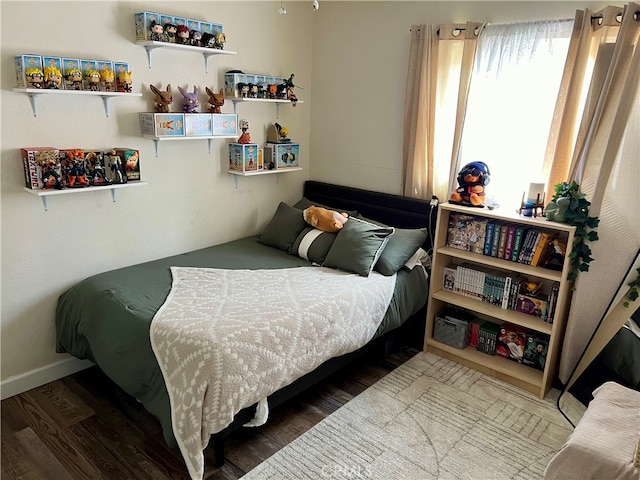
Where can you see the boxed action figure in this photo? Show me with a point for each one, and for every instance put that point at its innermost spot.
(130, 158)
(162, 124)
(24, 65)
(231, 81)
(90, 75)
(198, 124)
(71, 73)
(33, 159)
(243, 157)
(143, 21)
(283, 155)
(225, 124)
(52, 68)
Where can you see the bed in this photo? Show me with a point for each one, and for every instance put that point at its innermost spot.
(112, 318)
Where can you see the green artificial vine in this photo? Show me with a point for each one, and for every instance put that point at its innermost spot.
(576, 214)
(632, 294)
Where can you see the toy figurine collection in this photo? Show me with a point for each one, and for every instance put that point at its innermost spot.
(54, 168)
(60, 73)
(159, 27)
(250, 85)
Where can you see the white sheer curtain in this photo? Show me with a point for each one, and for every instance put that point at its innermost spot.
(514, 86)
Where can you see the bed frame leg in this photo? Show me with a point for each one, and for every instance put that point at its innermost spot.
(218, 451)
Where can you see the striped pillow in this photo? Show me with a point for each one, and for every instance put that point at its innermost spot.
(313, 244)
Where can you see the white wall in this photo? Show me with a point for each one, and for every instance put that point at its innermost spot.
(351, 60)
(190, 201)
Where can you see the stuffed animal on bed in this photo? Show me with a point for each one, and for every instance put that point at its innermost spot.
(471, 180)
(324, 219)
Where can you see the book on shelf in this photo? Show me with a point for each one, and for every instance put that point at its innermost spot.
(511, 342)
(466, 232)
(502, 242)
(508, 247)
(552, 301)
(496, 239)
(527, 244)
(542, 248)
(535, 352)
(487, 338)
(520, 233)
(488, 237)
(536, 305)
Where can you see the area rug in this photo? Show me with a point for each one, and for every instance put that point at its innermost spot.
(430, 418)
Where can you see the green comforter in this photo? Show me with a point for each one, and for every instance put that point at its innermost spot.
(106, 318)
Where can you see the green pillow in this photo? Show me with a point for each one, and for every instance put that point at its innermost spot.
(313, 244)
(304, 202)
(283, 229)
(357, 246)
(400, 248)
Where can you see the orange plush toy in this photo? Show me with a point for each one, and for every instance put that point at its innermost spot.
(324, 219)
(471, 180)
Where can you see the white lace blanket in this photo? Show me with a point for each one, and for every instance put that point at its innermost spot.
(226, 339)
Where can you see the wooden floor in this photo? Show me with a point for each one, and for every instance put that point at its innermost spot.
(85, 427)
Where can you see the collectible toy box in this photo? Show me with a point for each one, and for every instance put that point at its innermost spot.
(130, 158)
(284, 155)
(70, 65)
(143, 22)
(243, 157)
(54, 63)
(225, 124)
(162, 124)
(24, 63)
(88, 68)
(198, 124)
(231, 81)
(32, 161)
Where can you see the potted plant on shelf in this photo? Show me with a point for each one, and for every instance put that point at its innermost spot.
(570, 206)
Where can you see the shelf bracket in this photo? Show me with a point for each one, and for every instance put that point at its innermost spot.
(34, 103)
(157, 142)
(148, 49)
(45, 203)
(107, 103)
(235, 180)
(209, 142)
(113, 195)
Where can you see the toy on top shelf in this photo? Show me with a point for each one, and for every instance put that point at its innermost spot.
(163, 99)
(278, 134)
(52, 78)
(74, 79)
(190, 101)
(244, 126)
(170, 32)
(182, 35)
(125, 83)
(208, 40)
(35, 77)
(157, 32)
(219, 40)
(471, 180)
(107, 78)
(95, 165)
(93, 80)
(286, 90)
(195, 38)
(216, 100)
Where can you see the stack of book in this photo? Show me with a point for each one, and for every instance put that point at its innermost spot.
(515, 242)
(500, 288)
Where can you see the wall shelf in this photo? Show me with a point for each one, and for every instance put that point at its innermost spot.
(209, 139)
(277, 102)
(237, 173)
(34, 93)
(151, 45)
(45, 194)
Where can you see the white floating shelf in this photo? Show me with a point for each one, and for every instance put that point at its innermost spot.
(34, 93)
(209, 139)
(276, 171)
(45, 194)
(275, 101)
(151, 45)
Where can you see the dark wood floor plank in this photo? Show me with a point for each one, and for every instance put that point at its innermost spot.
(42, 456)
(59, 440)
(84, 427)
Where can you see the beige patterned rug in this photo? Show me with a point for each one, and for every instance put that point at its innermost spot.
(428, 419)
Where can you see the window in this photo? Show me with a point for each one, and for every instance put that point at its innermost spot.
(513, 92)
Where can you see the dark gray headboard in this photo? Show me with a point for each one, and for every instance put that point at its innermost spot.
(394, 210)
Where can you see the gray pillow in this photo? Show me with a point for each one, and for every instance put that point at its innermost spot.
(284, 228)
(313, 244)
(400, 247)
(357, 246)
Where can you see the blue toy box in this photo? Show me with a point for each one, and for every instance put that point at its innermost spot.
(243, 157)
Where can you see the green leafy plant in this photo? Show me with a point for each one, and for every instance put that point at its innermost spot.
(577, 214)
(633, 293)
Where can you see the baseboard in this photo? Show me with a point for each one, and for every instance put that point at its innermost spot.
(39, 376)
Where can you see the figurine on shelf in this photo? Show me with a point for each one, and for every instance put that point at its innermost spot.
(52, 78)
(125, 84)
(244, 89)
(106, 80)
(190, 101)
(50, 166)
(244, 126)
(115, 164)
(273, 92)
(95, 166)
(157, 31)
(278, 134)
(195, 38)
(220, 40)
(208, 40)
(35, 77)
(216, 100)
(163, 99)
(93, 80)
(182, 35)
(76, 175)
(170, 31)
(289, 86)
(74, 79)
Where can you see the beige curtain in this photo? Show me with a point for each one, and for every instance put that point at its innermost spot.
(440, 63)
(593, 140)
